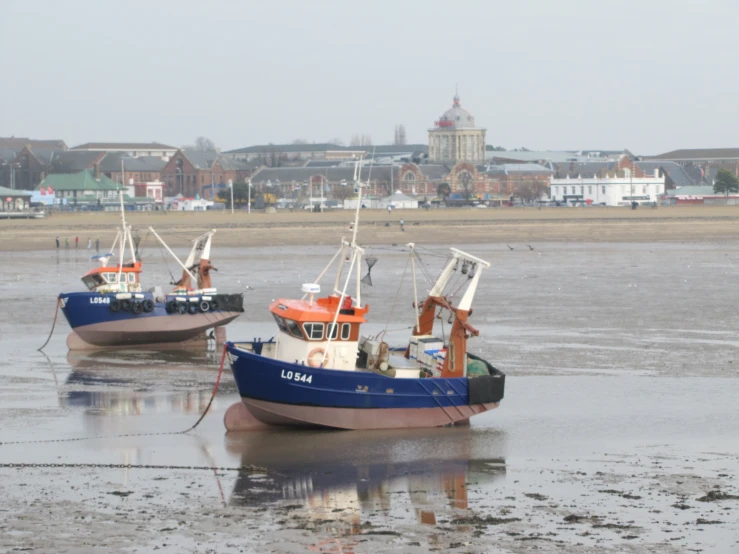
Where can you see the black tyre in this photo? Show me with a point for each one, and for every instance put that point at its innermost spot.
(125, 305)
(193, 308)
(137, 308)
(148, 305)
(115, 306)
(171, 307)
(204, 306)
(214, 304)
(181, 308)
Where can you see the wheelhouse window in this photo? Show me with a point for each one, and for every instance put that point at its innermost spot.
(131, 277)
(314, 331)
(293, 328)
(332, 331)
(346, 331)
(280, 323)
(111, 277)
(92, 281)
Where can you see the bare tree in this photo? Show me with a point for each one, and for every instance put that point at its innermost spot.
(531, 190)
(400, 137)
(204, 144)
(337, 141)
(299, 141)
(361, 140)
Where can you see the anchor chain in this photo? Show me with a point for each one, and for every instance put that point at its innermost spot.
(246, 468)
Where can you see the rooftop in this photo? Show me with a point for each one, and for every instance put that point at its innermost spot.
(124, 146)
(699, 154)
(84, 180)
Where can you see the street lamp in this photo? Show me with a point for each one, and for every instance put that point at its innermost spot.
(11, 167)
(231, 186)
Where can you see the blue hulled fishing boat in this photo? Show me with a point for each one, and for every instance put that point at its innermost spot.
(319, 370)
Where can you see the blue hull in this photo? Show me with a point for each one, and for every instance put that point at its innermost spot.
(95, 324)
(277, 391)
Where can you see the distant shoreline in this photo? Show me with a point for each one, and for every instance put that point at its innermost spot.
(436, 226)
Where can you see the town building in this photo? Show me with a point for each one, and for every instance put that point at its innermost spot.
(133, 149)
(191, 172)
(610, 189)
(81, 189)
(455, 138)
(14, 200)
(702, 164)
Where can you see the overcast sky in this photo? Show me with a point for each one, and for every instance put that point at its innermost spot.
(649, 75)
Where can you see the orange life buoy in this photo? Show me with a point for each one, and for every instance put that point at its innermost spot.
(312, 362)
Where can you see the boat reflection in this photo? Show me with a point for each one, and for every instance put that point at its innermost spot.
(139, 382)
(336, 482)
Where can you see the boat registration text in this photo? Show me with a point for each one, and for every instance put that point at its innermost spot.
(297, 376)
(100, 300)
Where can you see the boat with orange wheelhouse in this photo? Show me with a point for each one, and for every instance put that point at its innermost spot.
(116, 311)
(319, 370)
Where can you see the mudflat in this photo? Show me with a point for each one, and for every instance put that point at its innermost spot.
(434, 226)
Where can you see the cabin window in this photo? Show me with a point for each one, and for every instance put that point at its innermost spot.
(332, 331)
(293, 328)
(280, 323)
(314, 331)
(112, 277)
(131, 277)
(92, 281)
(346, 330)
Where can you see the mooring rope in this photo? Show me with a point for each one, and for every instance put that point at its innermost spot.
(202, 416)
(56, 313)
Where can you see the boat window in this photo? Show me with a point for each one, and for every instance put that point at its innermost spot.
(112, 277)
(346, 330)
(332, 331)
(131, 277)
(293, 328)
(314, 331)
(280, 323)
(92, 281)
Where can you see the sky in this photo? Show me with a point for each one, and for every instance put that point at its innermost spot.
(650, 75)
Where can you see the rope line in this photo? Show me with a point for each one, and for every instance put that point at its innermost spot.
(56, 313)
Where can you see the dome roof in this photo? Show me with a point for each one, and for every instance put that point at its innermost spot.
(456, 117)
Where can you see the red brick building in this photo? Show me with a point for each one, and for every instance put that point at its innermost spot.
(189, 172)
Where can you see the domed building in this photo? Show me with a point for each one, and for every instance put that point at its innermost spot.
(455, 138)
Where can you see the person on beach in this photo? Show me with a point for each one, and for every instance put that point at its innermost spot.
(402, 228)
(76, 242)
(66, 243)
(89, 243)
(97, 245)
(57, 243)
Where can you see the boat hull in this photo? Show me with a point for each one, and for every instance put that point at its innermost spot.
(287, 394)
(95, 326)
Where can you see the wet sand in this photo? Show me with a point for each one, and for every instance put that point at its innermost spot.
(618, 431)
(436, 226)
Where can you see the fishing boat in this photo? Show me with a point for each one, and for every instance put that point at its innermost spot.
(116, 311)
(319, 371)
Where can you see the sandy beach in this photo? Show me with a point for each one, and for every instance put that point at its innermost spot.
(436, 226)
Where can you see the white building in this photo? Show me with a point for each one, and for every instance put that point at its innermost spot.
(608, 191)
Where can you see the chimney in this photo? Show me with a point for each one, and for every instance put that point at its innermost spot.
(96, 170)
(656, 172)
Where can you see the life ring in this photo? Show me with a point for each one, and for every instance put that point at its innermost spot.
(204, 306)
(115, 306)
(312, 362)
(148, 305)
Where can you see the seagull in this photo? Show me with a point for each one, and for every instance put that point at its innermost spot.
(510, 247)
(530, 247)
